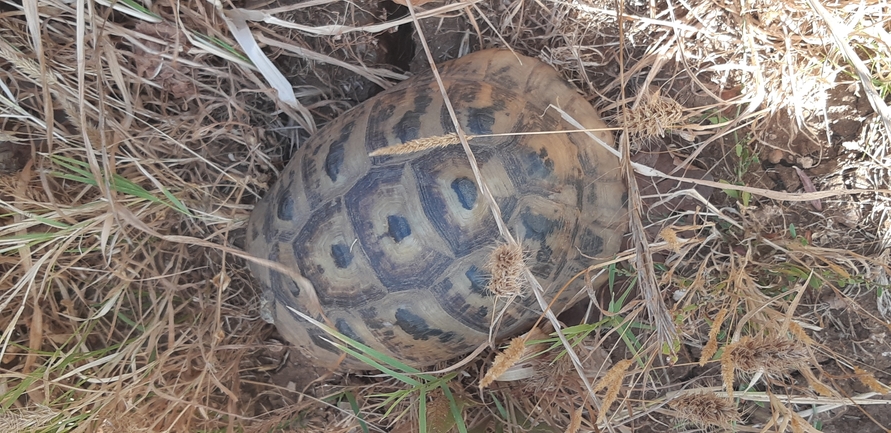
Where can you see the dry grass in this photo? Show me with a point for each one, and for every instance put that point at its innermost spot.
(123, 306)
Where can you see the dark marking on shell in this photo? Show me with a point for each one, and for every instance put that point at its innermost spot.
(579, 183)
(321, 340)
(504, 78)
(408, 128)
(282, 286)
(310, 182)
(254, 232)
(538, 164)
(334, 159)
(268, 221)
(480, 120)
(589, 243)
(543, 255)
(342, 255)
(418, 328)
(285, 209)
(479, 280)
(466, 191)
(445, 120)
(537, 226)
(455, 303)
(589, 167)
(370, 318)
(344, 328)
(376, 128)
(592, 195)
(398, 227)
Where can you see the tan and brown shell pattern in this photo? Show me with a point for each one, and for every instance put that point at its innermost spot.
(395, 246)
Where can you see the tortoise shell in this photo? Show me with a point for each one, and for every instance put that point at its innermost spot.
(396, 246)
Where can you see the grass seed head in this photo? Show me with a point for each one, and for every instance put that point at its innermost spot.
(771, 354)
(505, 360)
(712, 346)
(704, 409)
(870, 381)
(651, 117)
(419, 145)
(506, 267)
(613, 383)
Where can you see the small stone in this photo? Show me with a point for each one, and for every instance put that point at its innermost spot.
(775, 156)
(806, 162)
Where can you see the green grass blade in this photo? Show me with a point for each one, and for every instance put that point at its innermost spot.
(422, 410)
(354, 405)
(453, 406)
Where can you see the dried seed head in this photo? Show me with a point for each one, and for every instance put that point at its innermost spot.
(712, 346)
(505, 360)
(420, 144)
(613, 383)
(870, 381)
(575, 422)
(506, 267)
(27, 418)
(771, 354)
(651, 117)
(670, 236)
(704, 409)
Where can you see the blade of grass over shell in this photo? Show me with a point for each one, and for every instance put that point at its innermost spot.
(392, 400)
(622, 326)
(372, 362)
(366, 354)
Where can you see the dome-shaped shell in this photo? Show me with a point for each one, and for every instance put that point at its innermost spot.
(396, 246)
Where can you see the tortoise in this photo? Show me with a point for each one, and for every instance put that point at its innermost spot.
(395, 246)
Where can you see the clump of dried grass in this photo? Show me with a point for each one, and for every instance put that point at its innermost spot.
(135, 163)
